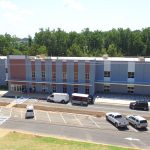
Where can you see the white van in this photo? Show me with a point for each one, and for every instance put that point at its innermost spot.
(59, 98)
(29, 112)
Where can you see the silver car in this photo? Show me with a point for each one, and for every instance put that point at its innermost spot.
(137, 121)
(29, 112)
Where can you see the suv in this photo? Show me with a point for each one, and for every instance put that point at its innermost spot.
(137, 121)
(139, 105)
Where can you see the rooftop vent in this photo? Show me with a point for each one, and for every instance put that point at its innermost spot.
(141, 59)
(105, 56)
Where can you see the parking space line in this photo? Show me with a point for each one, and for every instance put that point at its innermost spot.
(10, 112)
(35, 115)
(78, 120)
(132, 128)
(49, 117)
(21, 113)
(94, 122)
(63, 118)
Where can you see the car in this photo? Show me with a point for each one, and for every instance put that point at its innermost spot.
(58, 98)
(29, 112)
(137, 121)
(139, 105)
(117, 119)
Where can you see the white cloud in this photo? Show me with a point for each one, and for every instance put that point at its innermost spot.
(7, 5)
(74, 4)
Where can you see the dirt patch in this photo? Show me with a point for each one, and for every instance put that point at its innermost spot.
(67, 110)
(4, 103)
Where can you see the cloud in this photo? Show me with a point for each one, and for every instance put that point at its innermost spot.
(74, 4)
(7, 5)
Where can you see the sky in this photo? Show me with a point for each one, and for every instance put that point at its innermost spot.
(26, 17)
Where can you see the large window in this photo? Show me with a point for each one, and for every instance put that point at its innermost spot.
(75, 89)
(130, 89)
(33, 74)
(64, 89)
(107, 88)
(54, 88)
(106, 73)
(87, 77)
(130, 74)
(87, 90)
(43, 74)
(53, 76)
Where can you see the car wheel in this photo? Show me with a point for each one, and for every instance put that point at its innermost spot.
(135, 126)
(63, 102)
(133, 107)
(116, 125)
(106, 118)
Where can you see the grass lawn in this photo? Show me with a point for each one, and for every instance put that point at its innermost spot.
(19, 141)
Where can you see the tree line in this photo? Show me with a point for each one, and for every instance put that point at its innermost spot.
(116, 42)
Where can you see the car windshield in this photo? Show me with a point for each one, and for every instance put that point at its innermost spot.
(118, 116)
(29, 110)
(143, 121)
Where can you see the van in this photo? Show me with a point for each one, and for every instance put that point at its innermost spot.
(58, 98)
(80, 99)
(29, 112)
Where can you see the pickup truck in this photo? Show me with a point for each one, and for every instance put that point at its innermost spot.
(117, 119)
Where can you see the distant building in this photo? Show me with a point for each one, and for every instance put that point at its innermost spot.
(79, 74)
(3, 70)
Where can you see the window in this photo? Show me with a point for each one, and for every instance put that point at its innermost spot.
(107, 88)
(43, 74)
(87, 90)
(75, 76)
(87, 76)
(53, 75)
(64, 76)
(75, 89)
(64, 89)
(33, 74)
(44, 88)
(106, 73)
(54, 88)
(130, 74)
(130, 89)
(6, 70)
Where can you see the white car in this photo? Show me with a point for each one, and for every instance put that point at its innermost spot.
(29, 112)
(117, 119)
(137, 121)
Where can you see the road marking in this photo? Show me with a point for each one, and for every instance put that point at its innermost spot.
(34, 115)
(49, 117)
(3, 119)
(21, 113)
(63, 118)
(78, 120)
(131, 139)
(132, 128)
(10, 112)
(94, 122)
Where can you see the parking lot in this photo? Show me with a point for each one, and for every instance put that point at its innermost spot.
(61, 118)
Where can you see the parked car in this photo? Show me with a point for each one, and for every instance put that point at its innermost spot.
(58, 97)
(139, 105)
(137, 121)
(117, 119)
(29, 112)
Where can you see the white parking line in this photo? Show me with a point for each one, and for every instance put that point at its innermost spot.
(49, 117)
(63, 118)
(94, 122)
(10, 112)
(132, 128)
(78, 120)
(34, 115)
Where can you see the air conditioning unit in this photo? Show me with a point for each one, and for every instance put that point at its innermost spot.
(141, 59)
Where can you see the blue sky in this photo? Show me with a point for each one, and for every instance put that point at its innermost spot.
(25, 17)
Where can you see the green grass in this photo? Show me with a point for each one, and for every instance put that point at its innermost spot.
(19, 141)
